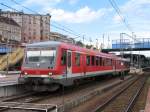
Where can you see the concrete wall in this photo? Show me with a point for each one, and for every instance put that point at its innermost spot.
(10, 90)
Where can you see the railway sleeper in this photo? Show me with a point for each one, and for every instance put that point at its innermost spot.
(28, 106)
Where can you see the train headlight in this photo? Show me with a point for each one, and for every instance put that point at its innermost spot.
(49, 73)
(25, 73)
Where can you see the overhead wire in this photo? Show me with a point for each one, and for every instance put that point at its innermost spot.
(58, 26)
(118, 11)
(123, 19)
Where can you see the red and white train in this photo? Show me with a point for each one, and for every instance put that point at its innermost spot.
(48, 65)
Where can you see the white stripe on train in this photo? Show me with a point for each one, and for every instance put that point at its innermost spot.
(88, 74)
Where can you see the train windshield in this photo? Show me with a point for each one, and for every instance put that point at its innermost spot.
(41, 55)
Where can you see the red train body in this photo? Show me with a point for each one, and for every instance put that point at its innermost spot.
(51, 64)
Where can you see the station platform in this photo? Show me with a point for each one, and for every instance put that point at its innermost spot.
(7, 80)
(147, 107)
(9, 85)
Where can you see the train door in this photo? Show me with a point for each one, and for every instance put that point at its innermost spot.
(114, 65)
(84, 64)
(69, 63)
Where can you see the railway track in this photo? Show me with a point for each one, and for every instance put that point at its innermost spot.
(18, 96)
(26, 107)
(42, 103)
(123, 100)
(34, 97)
(27, 102)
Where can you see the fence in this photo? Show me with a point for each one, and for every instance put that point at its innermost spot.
(141, 43)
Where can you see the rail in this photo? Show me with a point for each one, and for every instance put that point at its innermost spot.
(28, 106)
(133, 99)
(102, 106)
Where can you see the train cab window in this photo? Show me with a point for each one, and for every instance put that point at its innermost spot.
(97, 61)
(87, 60)
(41, 55)
(63, 57)
(93, 60)
(77, 59)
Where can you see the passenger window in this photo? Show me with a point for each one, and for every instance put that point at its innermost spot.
(103, 61)
(100, 61)
(88, 60)
(63, 57)
(97, 61)
(77, 59)
(111, 62)
(107, 61)
(93, 60)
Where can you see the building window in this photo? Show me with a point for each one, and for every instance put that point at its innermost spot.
(87, 60)
(34, 20)
(93, 60)
(77, 59)
(63, 57)
(34, 33)
(29, 33)
(29, 19)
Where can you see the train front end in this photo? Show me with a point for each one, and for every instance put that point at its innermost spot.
(38, 67)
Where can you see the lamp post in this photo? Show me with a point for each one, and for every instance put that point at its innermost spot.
(103, 41)
(121, 53)
(7, 57)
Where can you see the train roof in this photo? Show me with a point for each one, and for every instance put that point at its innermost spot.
(45, 43)
(71, 47)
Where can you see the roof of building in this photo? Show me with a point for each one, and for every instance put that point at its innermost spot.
(8, 21)
(59, 35)
(22, 13)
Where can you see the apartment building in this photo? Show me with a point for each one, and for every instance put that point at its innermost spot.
(9, 30)
(60, 37)
(34, 27)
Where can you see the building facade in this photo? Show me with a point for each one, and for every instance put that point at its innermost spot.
(9, 30)
(34, 27)
(60, 37)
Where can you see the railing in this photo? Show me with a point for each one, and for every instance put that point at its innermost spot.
(142, 43)
(11, 58)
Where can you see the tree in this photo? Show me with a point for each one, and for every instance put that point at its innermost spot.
(89, 46)
(79, 43)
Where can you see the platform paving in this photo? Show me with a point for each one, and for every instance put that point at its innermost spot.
(6, 80)
(147, 107)
(9, 85)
